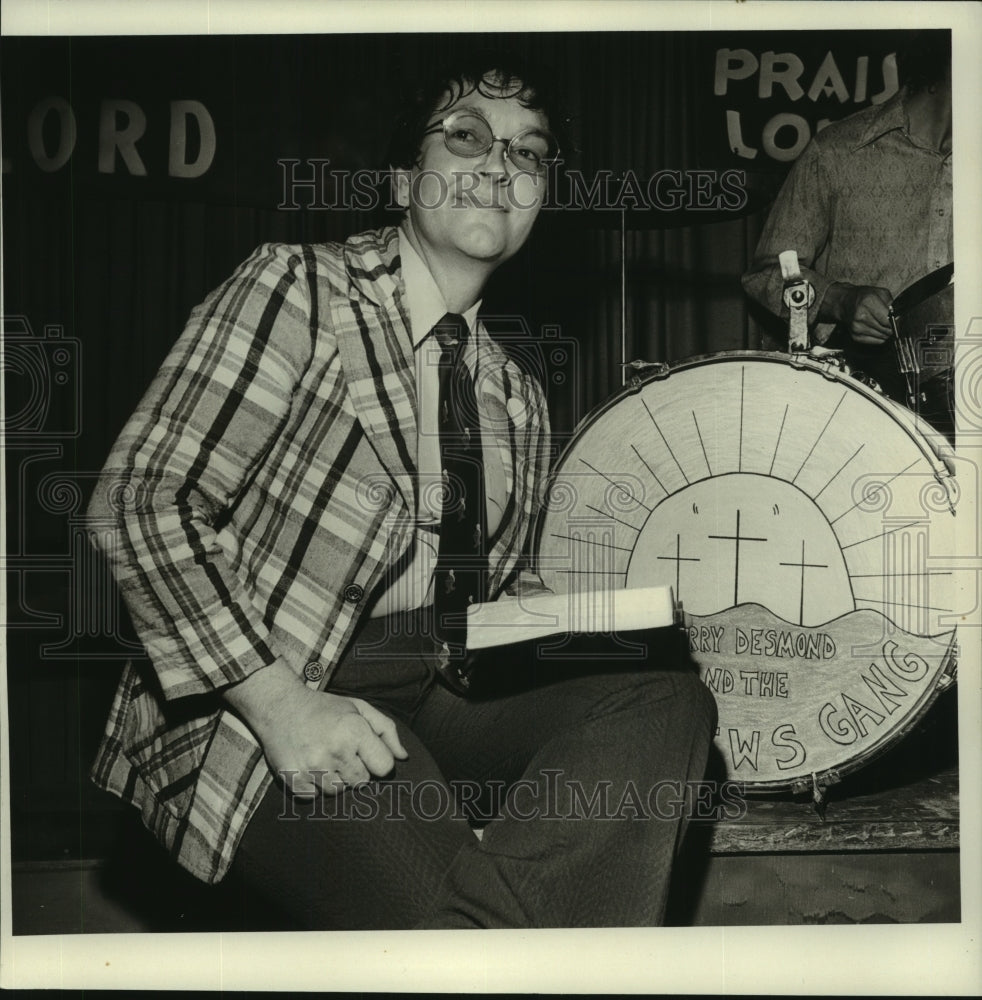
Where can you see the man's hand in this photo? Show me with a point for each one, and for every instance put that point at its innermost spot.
(305, 732)
(862, 309)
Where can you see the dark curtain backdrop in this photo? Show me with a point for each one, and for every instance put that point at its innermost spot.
(114, 263)
(119, 261)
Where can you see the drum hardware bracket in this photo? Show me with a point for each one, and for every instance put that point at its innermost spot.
(799, 296)
(941, 475)
(656, 369)
(867, 380)
(820, 790)
(950, 676)
(832, 360)
(818, 798)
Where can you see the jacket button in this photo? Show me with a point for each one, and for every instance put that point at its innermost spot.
(314, 670)
(353, 593)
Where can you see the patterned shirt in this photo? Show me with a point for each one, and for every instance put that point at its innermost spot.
(865, 203)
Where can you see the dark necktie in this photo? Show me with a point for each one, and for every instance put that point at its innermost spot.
(460, 578)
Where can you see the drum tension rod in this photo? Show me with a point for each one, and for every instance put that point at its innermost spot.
(906, 361)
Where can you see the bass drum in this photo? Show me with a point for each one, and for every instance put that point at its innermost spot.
(806, 524)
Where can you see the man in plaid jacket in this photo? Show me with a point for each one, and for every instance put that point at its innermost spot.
(269, 515)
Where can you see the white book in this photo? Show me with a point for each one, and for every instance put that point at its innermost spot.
(514, 619)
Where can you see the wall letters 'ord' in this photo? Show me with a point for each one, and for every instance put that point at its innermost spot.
(122, 124)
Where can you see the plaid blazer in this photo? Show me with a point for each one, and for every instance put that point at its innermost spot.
(259, 494)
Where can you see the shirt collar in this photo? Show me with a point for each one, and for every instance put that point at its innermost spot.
(891, 115)
(425, 301)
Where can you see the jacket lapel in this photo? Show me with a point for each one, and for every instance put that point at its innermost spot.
(504, 401)
(376, 352)
(492, 370)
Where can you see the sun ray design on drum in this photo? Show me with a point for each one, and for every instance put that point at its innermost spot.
(751, 480)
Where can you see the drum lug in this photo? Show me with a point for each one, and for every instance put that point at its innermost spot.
(806, 359)
(818, 786)
(649, 369)
(819, 789)
(950, 675)
(868, 381)
(831, 360)
(941, 474)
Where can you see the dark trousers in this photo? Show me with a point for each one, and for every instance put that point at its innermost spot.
(575, 761)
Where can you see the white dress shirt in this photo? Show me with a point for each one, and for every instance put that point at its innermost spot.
(410, 586)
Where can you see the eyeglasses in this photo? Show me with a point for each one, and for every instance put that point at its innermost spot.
(468, 133)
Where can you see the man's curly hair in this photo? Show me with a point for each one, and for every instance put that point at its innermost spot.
(494, 74)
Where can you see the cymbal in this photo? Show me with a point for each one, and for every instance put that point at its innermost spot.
(922, 289)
